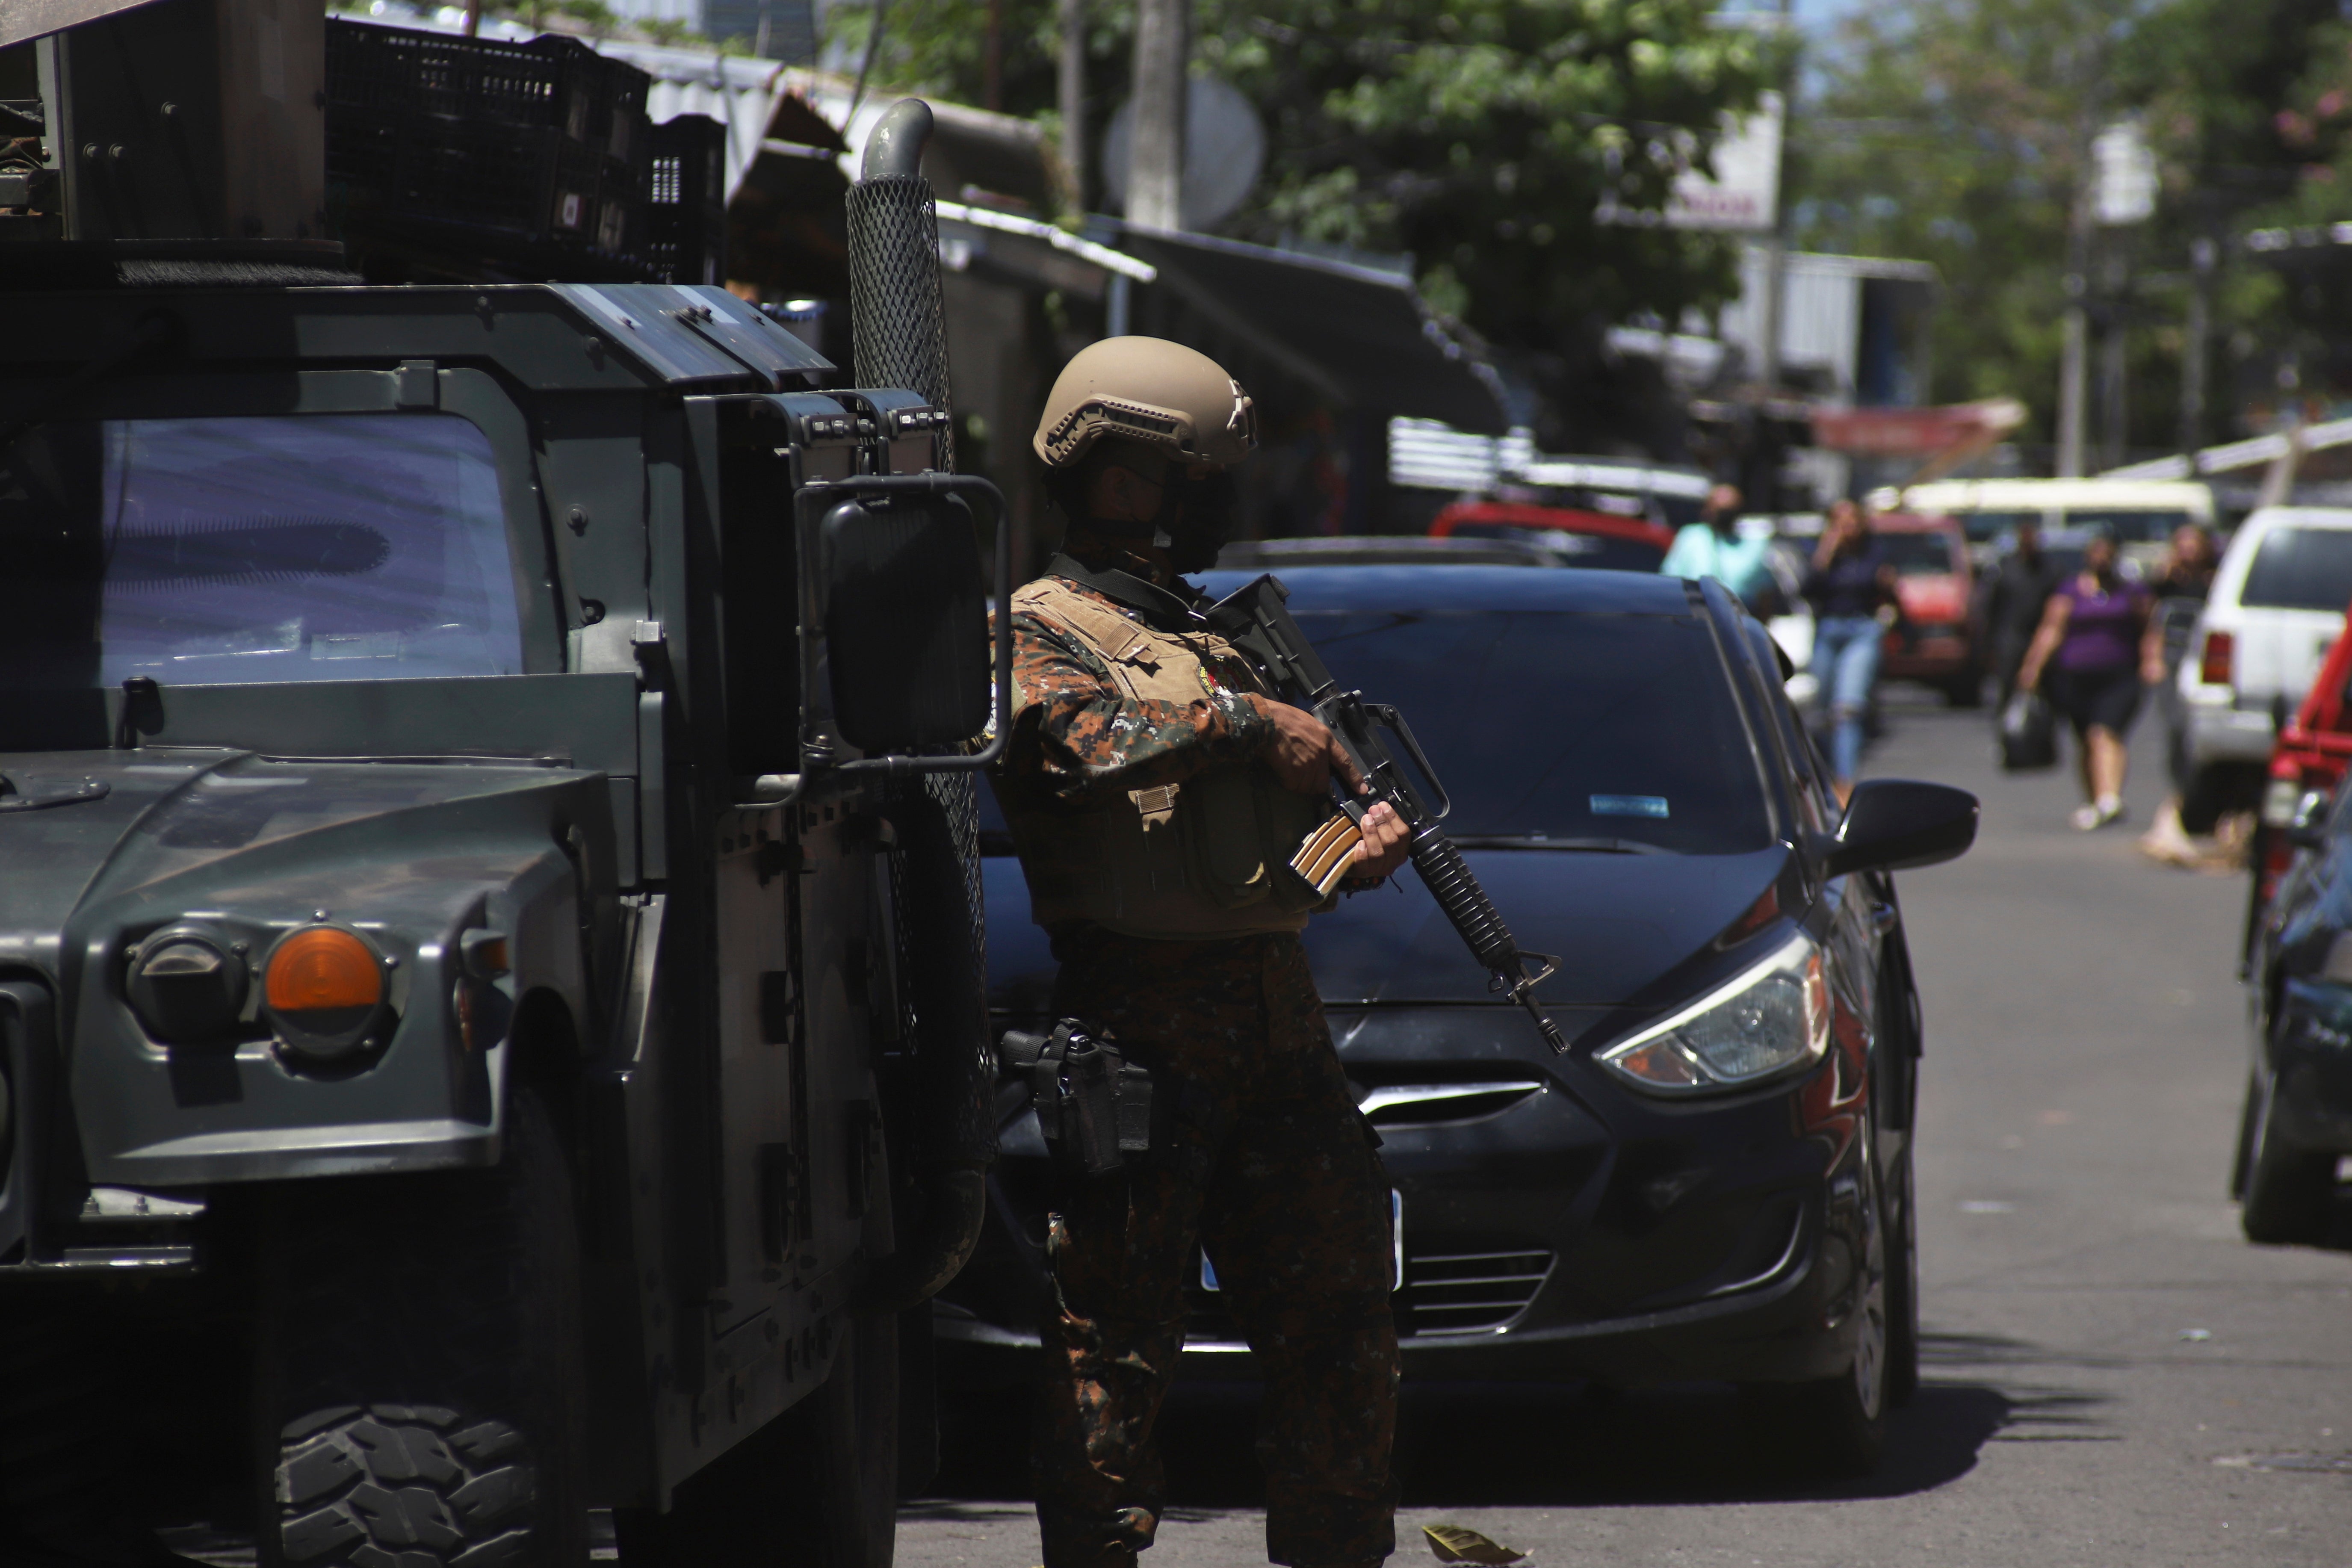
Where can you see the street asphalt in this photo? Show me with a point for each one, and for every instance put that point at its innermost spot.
(2114, 1376)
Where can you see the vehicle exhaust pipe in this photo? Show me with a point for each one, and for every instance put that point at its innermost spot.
(898, 339)
(896, 315)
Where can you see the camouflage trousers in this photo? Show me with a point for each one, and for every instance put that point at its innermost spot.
(1268, 1164)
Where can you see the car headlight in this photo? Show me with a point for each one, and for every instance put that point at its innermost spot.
(1774, 1018)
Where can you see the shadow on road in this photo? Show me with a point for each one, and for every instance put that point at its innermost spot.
(1533, 1444)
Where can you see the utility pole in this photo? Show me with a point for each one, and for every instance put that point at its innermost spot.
(2113, 411)
(1155, 169)
(2194, 354)
(992, 60)
(1071, 93)
(1776, 244)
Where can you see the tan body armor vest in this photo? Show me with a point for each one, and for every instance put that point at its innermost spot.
(1205, 859)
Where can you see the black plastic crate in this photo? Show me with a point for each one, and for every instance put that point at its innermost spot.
(473, 154)
(686, 201)
(555, 83)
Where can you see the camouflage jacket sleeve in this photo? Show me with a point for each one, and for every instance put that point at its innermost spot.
(1077, 735)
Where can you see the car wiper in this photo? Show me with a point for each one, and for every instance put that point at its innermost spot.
(1539, 841)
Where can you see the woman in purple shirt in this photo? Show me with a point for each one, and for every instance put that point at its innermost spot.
(2097, 643)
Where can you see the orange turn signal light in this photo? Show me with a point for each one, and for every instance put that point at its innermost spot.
(323, 970)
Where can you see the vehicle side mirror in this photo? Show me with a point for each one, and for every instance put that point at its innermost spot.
(2307, 828)
(1891, 825)
(904, 611)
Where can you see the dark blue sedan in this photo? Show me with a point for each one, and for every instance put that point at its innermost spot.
(1714, 1181)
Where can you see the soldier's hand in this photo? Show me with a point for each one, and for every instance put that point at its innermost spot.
(1387, 842)
(1303, 753)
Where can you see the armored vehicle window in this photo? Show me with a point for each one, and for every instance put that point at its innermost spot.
(204, 552)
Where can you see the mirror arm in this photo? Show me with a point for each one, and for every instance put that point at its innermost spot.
(813, 499)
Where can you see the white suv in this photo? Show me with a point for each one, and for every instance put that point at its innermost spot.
(2277, 603)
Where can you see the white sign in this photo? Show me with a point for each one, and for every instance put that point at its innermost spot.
(1743, 194)
(2123, 166)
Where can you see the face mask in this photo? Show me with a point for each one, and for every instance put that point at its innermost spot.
(1205, 514)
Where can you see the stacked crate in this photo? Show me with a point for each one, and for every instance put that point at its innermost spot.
(685, 204)
(482, 158)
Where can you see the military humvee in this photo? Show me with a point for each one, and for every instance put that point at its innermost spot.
(491, 1020)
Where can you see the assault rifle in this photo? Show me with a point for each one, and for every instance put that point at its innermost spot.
(1256, 619)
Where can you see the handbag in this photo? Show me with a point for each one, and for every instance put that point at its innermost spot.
(2029, 733)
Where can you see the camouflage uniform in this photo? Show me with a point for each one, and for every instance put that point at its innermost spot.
(1267, 1162)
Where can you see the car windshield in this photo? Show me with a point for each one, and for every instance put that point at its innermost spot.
(1917, 554)
(1553, 729)
(2301, 569)
(2130, 526)
(1599, 552)
(323, 547)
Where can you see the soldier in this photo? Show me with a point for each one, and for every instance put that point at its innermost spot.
(1155, 794)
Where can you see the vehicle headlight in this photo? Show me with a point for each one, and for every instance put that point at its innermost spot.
(323, 989)
(1774, 1018)
(186, 984)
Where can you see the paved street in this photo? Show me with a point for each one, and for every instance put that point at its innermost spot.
(2114, 1376)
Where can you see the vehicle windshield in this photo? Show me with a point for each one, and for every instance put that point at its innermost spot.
(1553, 728)
(2301, 569)
(2130, 526)
(1917, 554)
(1594, 551)
(233, 551)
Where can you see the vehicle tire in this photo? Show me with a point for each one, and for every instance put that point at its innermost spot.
(420, 1399)
(815, 1488)
(1901, 1282)
(842, 1490)
(1965, 690)
(1835, 1426)
(2285, 1195)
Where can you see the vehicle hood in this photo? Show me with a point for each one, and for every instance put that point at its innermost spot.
(215, 828)
(1617, 922)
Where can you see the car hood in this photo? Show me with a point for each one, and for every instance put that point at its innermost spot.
(219, 824)
(1617, 922)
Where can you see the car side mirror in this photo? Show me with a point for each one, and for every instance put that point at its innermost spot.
(2307, 828)
(896, 645)
(1892, 825)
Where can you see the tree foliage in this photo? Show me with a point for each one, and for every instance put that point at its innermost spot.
(1478, 135)
(1959, 131)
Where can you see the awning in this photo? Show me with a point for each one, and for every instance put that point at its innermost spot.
(1362, 338)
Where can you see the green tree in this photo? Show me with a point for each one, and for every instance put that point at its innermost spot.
(1478, 135)
(1958, 131)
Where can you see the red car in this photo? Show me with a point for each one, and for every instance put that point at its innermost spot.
(1933, 581)
(1590, 538)
(2310, 756)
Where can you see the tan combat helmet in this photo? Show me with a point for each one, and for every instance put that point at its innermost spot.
(1148, 390)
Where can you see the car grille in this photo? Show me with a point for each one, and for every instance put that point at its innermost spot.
(1444, 1293)
(1463, 1293)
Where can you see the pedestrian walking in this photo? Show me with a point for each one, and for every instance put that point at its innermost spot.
(1851, 590)
(2097, 646)
(2010, 604)
(1713, 547)
(2189, 569)
(1155, 794)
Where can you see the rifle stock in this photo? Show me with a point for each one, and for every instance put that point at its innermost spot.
(1256, 619)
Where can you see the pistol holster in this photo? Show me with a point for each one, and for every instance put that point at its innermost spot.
(1093, 1105)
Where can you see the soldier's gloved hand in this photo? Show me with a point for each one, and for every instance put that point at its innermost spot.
(1386, 843)
(1302, 752)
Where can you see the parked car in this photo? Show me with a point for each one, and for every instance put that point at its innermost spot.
(2276, 609)
(2307, 762)
(1934, 644)
(1603, 540)
(2296, 1124)
(1715, 1180)
(1385, 549)
(2142, 513)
